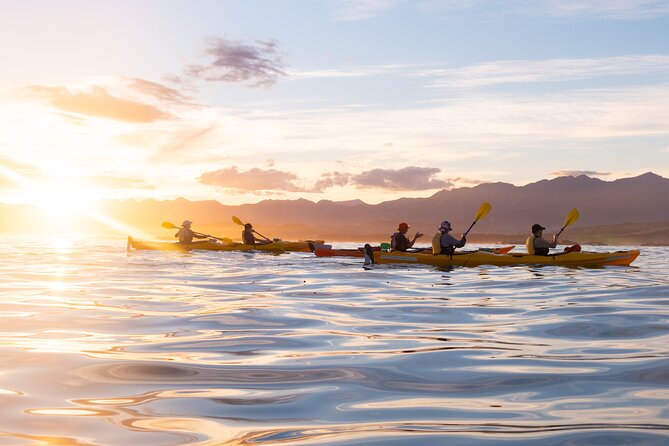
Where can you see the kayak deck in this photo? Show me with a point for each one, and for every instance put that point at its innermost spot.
(360, 252)
(279, 246)
(477, 258)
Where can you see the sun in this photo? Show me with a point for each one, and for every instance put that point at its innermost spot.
(62, 200)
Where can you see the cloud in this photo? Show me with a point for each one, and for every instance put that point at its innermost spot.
(523, 71)
(252, 180)
(464, 180)
(575, 173)
(113, 182)
(97, 102)
(351, 10)
(259, 63)
(618, 9)
(611, 9)
(331, 179)
(158, 91)
(407, 178)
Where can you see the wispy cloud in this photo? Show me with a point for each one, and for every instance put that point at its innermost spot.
(575, 173)
(351, 10)
(618, 9)
(259, 63)
(97, 102)
(612, 9)
(524, 71)
(158, 91)
(254, 179)
(350, 72)
(407, 179)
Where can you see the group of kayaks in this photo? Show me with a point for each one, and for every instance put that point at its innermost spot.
(500, 256)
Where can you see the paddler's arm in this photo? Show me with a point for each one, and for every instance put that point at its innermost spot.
(417, 236)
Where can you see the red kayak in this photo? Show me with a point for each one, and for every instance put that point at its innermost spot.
(360, 252)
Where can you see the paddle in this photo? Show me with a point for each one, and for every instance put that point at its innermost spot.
(239, 222)
(482, 212)
(571, 218)
(168, 225)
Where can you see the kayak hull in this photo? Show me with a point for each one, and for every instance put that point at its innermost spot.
(477, 258)
(280, 246)
(325, 252)
(360, 252)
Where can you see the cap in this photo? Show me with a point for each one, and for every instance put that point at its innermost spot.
(248, 225)
(186, 222)
(537, 227)
(445, 225)
(402, 226)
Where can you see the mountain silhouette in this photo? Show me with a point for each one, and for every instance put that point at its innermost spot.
(637, 207)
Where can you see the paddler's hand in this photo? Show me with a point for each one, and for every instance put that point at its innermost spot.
(418, 235)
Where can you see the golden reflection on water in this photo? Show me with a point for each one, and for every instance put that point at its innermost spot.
(210, 350)
(216, 432)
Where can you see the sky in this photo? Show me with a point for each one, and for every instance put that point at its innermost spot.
(241, 101)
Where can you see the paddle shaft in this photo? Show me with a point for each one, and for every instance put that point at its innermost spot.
(470, 228)
(261, 235)
(558, 234)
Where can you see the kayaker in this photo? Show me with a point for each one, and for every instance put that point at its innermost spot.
(538, 244)
(445, 243)
(399, 240)
(186, 234)
(248, 237)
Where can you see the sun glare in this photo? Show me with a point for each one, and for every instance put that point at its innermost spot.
(62, 201)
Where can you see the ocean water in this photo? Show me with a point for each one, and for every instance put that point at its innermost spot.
(103, 347)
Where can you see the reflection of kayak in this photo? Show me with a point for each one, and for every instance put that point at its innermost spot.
(360, 252)
(475, 258)
(278, 246)
(325, 252)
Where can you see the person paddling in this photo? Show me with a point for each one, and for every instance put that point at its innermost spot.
(248, 237)
(537, 244)
(186, 234)
(445, 243)
(399, 241)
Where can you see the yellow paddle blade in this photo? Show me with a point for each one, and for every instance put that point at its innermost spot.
(237, 220)
(483, 210)
(572, 217)
(168, 225)
(229, 241)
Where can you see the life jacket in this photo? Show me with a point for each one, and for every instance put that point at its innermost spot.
(531, 250)
(436, 243)
(438, 249)
(393, 245)
(529, 245)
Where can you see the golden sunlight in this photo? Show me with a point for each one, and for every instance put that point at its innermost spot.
(64, 201)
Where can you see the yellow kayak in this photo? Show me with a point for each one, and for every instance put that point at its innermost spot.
(476, 258)
(279, 246)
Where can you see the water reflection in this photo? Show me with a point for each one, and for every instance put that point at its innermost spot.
(100, 346)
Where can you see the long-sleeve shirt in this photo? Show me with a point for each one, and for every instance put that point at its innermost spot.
(448, 243)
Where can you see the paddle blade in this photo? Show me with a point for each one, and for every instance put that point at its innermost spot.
(168, 225)
(572, 217)
(483, 210)
(237, 220)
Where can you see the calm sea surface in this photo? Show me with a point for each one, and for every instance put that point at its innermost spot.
(103, 347)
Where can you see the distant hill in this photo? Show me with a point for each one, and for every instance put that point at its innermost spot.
(633, 210)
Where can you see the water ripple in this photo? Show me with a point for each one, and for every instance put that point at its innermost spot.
(99, 346)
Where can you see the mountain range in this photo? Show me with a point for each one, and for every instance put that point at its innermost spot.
(629, 210)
